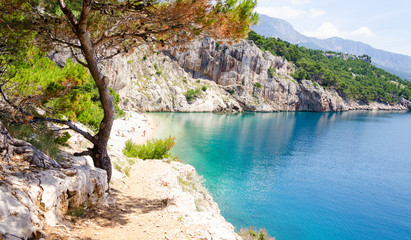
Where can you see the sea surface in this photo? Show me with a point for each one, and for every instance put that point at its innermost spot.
(303, 175)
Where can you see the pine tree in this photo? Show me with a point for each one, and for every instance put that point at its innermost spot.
(96, 30)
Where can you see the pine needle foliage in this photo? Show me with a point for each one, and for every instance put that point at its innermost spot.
(66, 93)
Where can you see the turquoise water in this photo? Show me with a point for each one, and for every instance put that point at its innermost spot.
(303, 175)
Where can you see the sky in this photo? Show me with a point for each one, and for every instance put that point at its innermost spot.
(382, 24)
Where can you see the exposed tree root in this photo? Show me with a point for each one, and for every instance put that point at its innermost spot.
(10, 146)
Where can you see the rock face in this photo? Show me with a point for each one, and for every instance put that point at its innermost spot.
(231, 78)
(150, 81)
(191, 199)
(261, 81)
(32, 197)
(237, 77)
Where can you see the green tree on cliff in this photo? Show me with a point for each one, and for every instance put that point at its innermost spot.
(96, 30)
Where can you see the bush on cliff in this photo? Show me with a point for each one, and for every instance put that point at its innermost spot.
(153, 149)
(192, 94)
(253, 234)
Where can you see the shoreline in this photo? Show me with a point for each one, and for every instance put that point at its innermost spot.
(280, 111)
(155, 199)
(136, 126)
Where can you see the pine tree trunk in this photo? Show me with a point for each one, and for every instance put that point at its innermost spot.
(99, 152)
(102, 160)
(100, 155)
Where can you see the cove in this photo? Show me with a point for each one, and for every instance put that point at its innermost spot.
(301, 175)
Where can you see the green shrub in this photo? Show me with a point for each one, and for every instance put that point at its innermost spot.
(258, 85)
(204, 88)
(253, 234)
(186, 185)
(83, 104)
(230, 91)
(158, 72)
(63, 138)
(153, 149)
(77, 212)
(144, 58)
(192, 94)
(130, 149)
(271, 72)
(127, 171)
(131, 161)
(38, 75)
(118, 167)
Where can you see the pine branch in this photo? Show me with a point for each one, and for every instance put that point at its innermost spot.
(35, 119)
(84, 153)
(68, 13)
(72, 45)
(77, 59)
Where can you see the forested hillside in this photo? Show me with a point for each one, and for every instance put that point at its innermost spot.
(352, 77)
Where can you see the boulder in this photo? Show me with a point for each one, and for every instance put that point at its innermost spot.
(32, 197)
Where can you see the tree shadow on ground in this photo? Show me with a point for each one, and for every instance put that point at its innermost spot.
(118, 214)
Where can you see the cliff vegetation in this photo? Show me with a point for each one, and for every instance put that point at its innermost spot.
(352, 77)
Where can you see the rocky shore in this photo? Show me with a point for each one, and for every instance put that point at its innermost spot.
(152, 199)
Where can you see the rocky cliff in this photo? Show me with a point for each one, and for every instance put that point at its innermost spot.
(220, 77)
(208, 76)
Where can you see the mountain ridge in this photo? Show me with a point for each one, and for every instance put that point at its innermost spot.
(399, 64)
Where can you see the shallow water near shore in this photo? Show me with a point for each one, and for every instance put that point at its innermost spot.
(300, 175)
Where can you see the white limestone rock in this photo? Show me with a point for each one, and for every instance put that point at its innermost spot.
(238, 77)
(30, 197)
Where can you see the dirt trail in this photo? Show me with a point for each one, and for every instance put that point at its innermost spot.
(158, 200)
(139, 213)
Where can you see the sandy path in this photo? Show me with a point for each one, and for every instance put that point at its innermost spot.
(151, 203)
(139, 212)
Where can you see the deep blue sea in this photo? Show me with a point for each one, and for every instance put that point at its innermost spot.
(303, 175)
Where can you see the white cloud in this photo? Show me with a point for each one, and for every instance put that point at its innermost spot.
(283, 12)
(288, 12)
(363, 32)
(315, 12)
(328, 29)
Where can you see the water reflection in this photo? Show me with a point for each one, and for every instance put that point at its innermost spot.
(246, 138)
